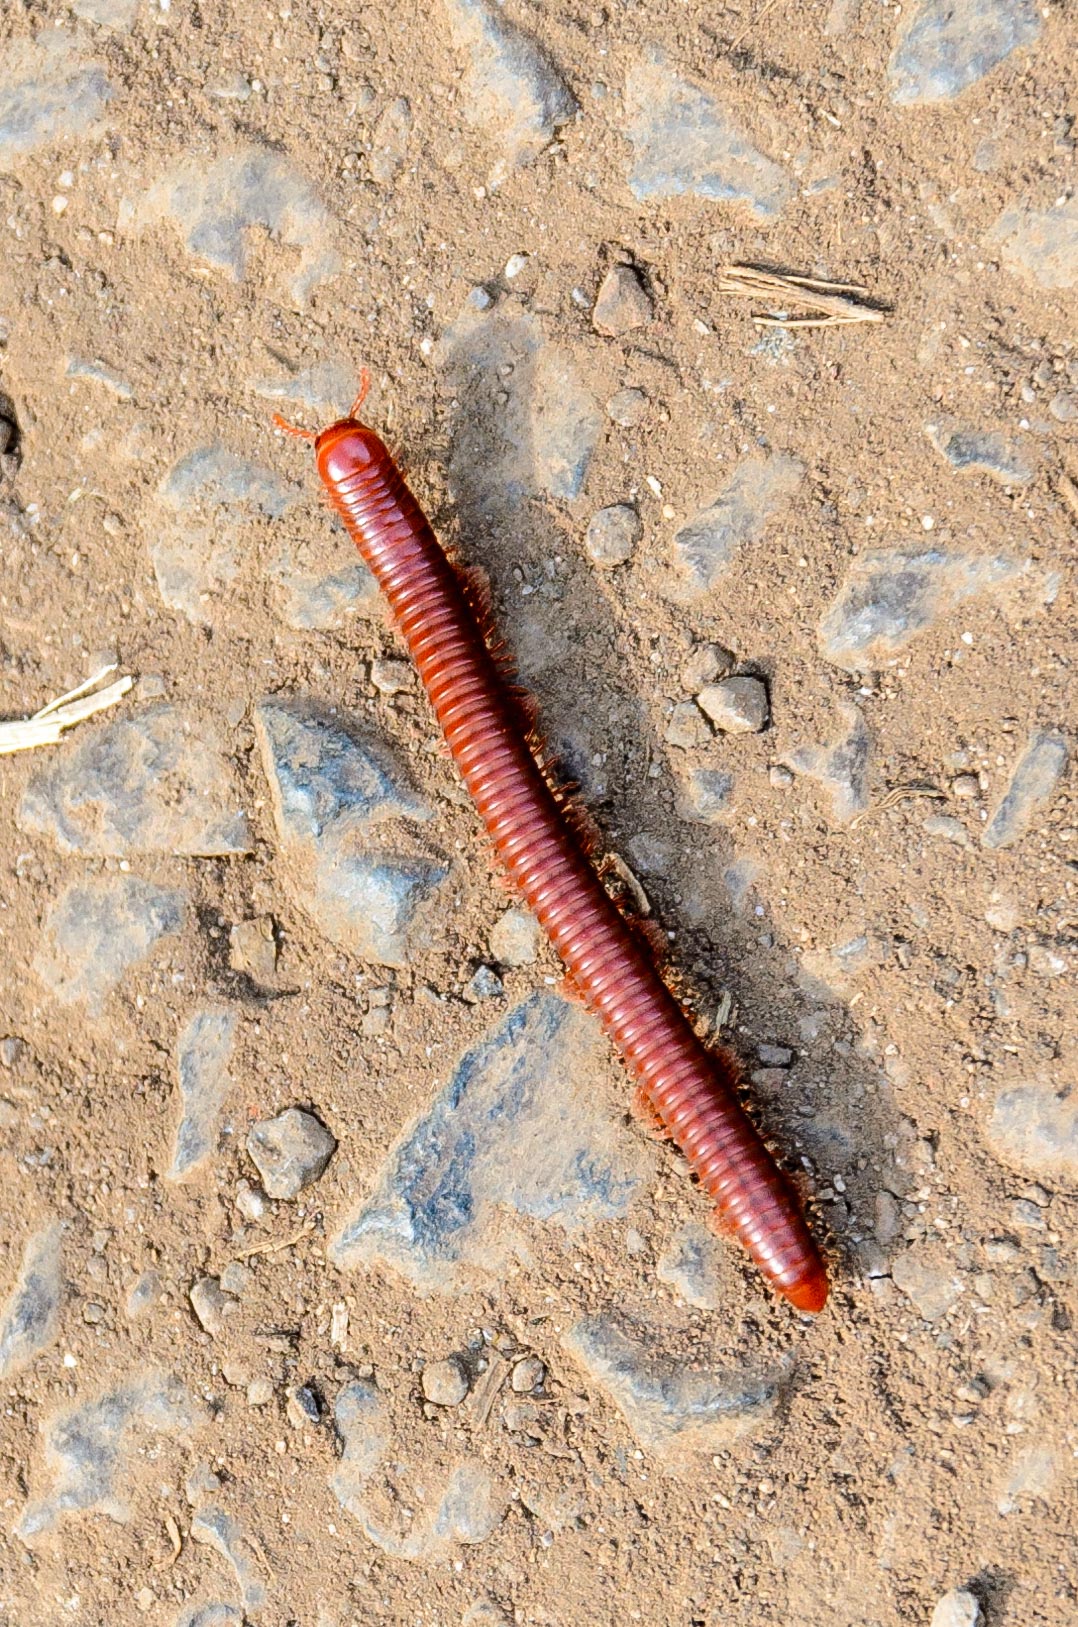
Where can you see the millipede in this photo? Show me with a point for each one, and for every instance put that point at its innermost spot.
(687, 1088)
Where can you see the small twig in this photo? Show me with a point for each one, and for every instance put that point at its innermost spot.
(899, 794)
(277, 1248)
(177, 1545)
(486, 1391)
(831, 303)
(46, 726)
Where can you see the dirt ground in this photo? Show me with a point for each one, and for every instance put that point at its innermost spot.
(925, 1436)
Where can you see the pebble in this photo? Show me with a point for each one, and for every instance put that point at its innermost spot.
(1033, 784)
(1044, 961)
(1033, 1474)
(223, 1533)
(143, 1295)
(250, 1201)
(736, 705)
(706, 663)
(445, 1382)
(96, 372)
(843, 767)
(211, 1304)
(949, 829)
(627, 408)
(622, 303)
(891, 596)
(757, 492)
(612, 535)
(694, 1263)
(98, 930)
(213, 206)
(252, 949)
(203, 1053)
(705, 796)
(12, 1051)
(484, 984)
(323, 601)
(513, 91)
(259, 1392)
(1040, 246)
(685, 141)
(389, 141)
(1027, 1215)
(686, 728)
(966, 786)
(677, 1411)
(932, 1287)
(392, 677)
(948, 45)
(957, 1609)
(981, 452)
(290, 1151)
(780, 777)
(514, 938)
(528, 1375)
(775, 1056)
(49, 93)
(1064, 408)
(433, 1215)
(30, 1317)
(1035, 1130)
(302, 1406)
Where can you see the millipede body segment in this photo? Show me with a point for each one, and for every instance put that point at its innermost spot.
(691, 1089)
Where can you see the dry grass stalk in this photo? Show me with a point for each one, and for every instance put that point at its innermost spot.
(828, 304)
(46, 726)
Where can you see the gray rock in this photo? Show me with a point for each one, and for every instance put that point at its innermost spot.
(213, 206)
(118, 15)
(92, 1455)
(391, 677)
(684, 140)
(1033, 1474)
(736, 705)
(323, 601)
(891, 596)
(980, 452)
(947, 45)
(223, 1533)
(627, 408)
(1040, 246)
(484, 984)
(527, 426)
(1033, 784)
(97, 930)
(678, 1412)
(98, 373)
(696, 1263)
(757, 492)
(325, 388)
(513, 91)
(1035, 1130)
(147, 784)
(948, 829)
(613, 534)
(842, 768)
(143, 1295)
(775, 1056)
(445, 1383)
(530, 1084)
(211, 1304)
(958, 1608)
(705, 796)
(467, 1508)
(926, 1279)
(1063, 407)
(1044, 961)
(213, 1614)
(203, 1053)
(528, 1375)
(622, 303)
(30, 1316)
(49, 93)
(686, 729)
(514, 938)
(252, 949)
(706, 663)
(290, 1151)
(343, 808)
(389, 141)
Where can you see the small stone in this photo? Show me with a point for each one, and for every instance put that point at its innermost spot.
(622, 304)
(706, 663)
(1033, 784)
(757, 492)
(259, 1392)
(612, 535)
(12, 1051)
(780, 776)
(888, 1217)
(225, 1534)
(1041, 246)
(252, 947)
(250, 1201)
(484, 984)
(972, 451)
(392, 677)
(966, 786)
(957, 1609)
(686, 728)
(514, 939)
(1027, 1215)
(1035, 1130)
(1044, 961)
(211, 1304)
(693, 1264)
(527, 1375)
(627, 408)
(1064, 407)
(736, 705)
(445, 1383)
(302, 1406)
(522, 1418)
(143, 1295)
(203, 1053)
(97, 930)
(932, 1288)
(30, 1317)
(947, 45)
(290, 1151)
(775, 1056)
(49, 93)
(389, 141)
(237, 1278)
(705, 797)
(951, 830)
(842, 767)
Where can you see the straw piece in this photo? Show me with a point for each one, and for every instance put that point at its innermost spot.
(46, 727)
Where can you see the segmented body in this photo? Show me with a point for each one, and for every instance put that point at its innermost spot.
(691, 1089)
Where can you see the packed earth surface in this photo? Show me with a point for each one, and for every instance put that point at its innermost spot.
(338, 1281)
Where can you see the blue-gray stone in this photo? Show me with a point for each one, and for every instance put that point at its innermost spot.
(890, 596)
(527, 425)
(684, 140)
(1041, 246)
(49, 92)
(224, 1533)
(213, 207)
(203, 1053)
(374, 903)
(512, 89)
(29, 1318)
(97, 930)
(98, 373)
(755, 494)
(521, 1126)
(947, 45)
(841, 768)
(679, 1412)
(290, 1151)
(145, 784)
(326, 388)
(980, 452)
(323, 601)
(1035, 1129)
(705, 796)
(698, 1265)
(92, 1455)
(1033, 785)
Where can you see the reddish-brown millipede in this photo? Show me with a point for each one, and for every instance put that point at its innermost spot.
(691, 1089)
